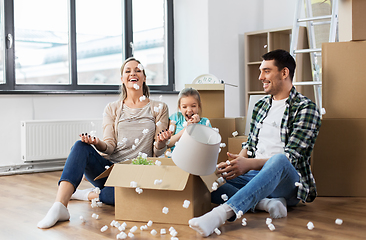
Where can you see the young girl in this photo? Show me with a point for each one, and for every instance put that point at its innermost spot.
(189, 105)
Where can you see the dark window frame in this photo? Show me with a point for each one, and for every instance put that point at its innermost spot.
(11, 88)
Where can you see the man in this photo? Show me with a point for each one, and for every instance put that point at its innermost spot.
(272, 170)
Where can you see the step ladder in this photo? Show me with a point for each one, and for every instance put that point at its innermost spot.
(314, 51)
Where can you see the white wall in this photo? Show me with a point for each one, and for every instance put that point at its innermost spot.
(209, 38)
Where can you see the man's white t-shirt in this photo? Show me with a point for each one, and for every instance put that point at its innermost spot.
(269, 142)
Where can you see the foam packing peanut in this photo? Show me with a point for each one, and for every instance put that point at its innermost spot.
(338, 221)
(142, 98)
(217, 231)
(228, 162)
(153, 232)
(131, 235)
(271, 227)
(222, 145)
(268, 221)
(145, 131)
(224, 197)
(174, 238)
(310, 225)
(157, 163)
(186, 203)
(156, 109)
(168, 154)
(158, 181)
(214, 186)
(133, 147)
(104, 228)
(216, 129)
(82, 219)
(158, 123)
(235, 134)
(137, 141)
(96, 191)
(121, 228)
(135, 86)
(240, 214)
(162, 231)
(122, 235)
(138, 190)
(165, 210)
(171, 229)
(220, 180)
(244, 222)
(161, 106)
(173, 233)
(133, 184)
(133, 229)
(94, 215)
(149, 223)
(171, 128)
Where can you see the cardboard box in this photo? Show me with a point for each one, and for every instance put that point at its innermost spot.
(226, 127)
(352, 20)
(177, 186)
(235, 144)
(339, 158)
(212, 98)
(343, 79)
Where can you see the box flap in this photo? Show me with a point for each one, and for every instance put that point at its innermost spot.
(210, 179)
(173, 178)
(105, 173)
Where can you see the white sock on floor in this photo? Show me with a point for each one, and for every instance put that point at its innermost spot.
(81, 194)
(58, 212)
(206, 224)
(275, 206)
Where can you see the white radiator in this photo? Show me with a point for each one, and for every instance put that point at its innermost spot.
(52, 140)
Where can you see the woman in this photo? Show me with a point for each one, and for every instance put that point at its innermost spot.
(131, 125)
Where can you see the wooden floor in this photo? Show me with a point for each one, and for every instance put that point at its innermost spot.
(25, 199)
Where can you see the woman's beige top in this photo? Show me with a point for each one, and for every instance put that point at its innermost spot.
(128, 131)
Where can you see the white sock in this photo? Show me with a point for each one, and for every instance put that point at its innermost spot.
(58, 212)
(206, 224)
(275, 206)
(81, 194)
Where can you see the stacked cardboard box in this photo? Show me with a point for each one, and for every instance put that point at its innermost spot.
(338, 159)
(352, 20)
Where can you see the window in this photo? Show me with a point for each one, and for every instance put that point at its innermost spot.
(79, 45)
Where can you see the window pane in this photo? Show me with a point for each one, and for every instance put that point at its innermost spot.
(99, 41)
(41, 42)
(149, 39)
(2, 46)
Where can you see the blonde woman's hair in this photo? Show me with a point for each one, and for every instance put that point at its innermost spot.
(187, 92)
(123, 90)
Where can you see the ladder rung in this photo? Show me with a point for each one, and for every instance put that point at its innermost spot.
(308, 50)
(309, 83)
(314, 18)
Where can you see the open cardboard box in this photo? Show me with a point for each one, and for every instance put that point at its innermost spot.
(177, 186)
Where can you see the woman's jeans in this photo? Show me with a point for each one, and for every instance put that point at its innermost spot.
(276, 179)
(85, 160)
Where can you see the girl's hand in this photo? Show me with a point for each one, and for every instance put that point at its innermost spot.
(195, 119)
(84, 137)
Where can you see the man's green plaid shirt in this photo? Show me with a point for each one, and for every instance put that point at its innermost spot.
(299, 130)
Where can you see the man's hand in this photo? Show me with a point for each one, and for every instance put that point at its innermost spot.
(238, 166)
